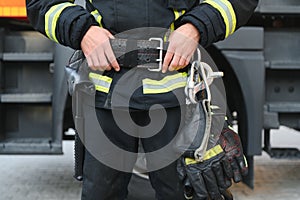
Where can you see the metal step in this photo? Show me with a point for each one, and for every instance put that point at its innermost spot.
(26, 98)
(284, 107)
(36, 57)
(279, 6)
(30, 146)
(283, 153)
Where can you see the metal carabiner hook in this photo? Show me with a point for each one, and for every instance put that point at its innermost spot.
(190, 87)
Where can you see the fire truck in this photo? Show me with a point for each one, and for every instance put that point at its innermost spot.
(261, 63)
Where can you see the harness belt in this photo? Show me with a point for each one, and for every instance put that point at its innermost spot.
(147, 54)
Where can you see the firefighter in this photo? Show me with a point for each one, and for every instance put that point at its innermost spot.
(92, 30)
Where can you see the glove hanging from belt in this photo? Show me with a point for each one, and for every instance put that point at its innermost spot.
(214, 155)
(208, 179)
(231, 143)
(211, 178)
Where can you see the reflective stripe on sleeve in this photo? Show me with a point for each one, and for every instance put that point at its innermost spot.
(164, 85)
(51, 18)
(102, 83)
(177, 14)
(97, 16)
(227, 12)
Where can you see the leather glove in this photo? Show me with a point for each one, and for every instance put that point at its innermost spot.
(231, 144)
(207, 180)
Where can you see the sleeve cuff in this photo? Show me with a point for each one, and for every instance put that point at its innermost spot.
(73, 23)
(208, 21)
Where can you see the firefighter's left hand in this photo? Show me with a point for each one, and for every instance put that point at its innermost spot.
(182, 44)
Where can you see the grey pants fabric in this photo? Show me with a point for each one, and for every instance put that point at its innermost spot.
(101, 182)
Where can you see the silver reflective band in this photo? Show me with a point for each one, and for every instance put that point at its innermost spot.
(227, 12)
(164, 85)
(97, 17)
(51, 18)
(102, 83)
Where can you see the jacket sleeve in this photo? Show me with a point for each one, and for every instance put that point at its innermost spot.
(217, 19)
(61, 20)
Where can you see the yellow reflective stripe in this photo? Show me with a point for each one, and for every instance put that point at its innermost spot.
(177, 14)
(51, 18)
(100, 77)
(227, 12)
(164, 90)
(232, 13)
(208, 155)
(102, 83)
(165, 79)
(101, 88)
(97, 16)
(164, 85)
(213, 152)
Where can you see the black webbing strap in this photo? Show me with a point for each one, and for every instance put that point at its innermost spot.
(137, 53)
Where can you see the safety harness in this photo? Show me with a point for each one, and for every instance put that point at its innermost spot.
(200, 78)
(150, 56)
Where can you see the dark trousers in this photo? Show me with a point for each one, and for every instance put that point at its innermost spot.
(101, 182)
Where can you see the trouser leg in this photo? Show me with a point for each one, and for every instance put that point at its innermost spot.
(165, 181)
(101, 182)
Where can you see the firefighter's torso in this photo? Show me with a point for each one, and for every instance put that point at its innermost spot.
(139, 88)
(120, 15)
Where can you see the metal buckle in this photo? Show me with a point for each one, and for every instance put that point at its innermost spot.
(160, 58)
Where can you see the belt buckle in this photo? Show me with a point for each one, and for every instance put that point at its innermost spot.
(160, 58)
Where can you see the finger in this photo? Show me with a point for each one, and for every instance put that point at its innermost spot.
(181, 170)
(220, 176)
(175, 63)
(197, 181)
(242, 162)
(167, 60)
(96, 61)
(228, 174)
(103, 62)
(90, 63)
(111, 58)
(237, 177)
(188, 58)
(113, 61)
(211, 185)
(188, 189)
(227, 168)
(115, 65)
(93, 68)
(110, 35)
(107, 68)
(183, 62)
(227, 195)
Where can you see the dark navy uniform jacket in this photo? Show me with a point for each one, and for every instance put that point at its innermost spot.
(66, 23)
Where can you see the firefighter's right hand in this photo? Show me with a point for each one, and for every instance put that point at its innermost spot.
(97, 49)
